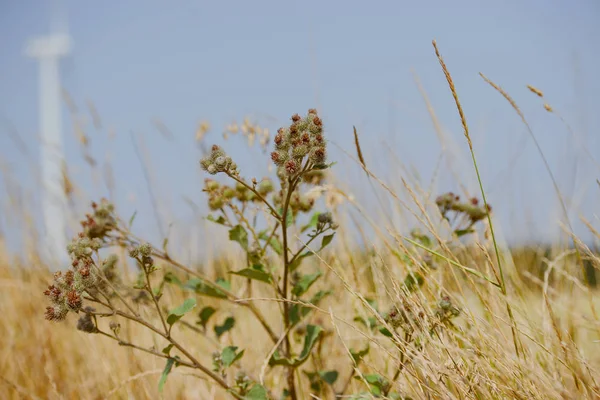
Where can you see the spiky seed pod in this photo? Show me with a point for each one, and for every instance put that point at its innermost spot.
(296, 118)
(279, 157)
(291, 167)
(84, 278)
(115, 327)
(73, 301)
(96, 244)
(205, 163)
(147, 261)
(54, 294)
(216, 153)
(325, 218)
(56, 313)
(445, 201)
(145, 249)
(86, 324)
(300, 151)
(318, 155)
(222, 163)
(265, 187)
(306, 204)
(282, 140)
(69, 277)
(211, 184)
(215, 202)
(229, 193)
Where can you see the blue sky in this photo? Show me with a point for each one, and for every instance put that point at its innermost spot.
(187, 61)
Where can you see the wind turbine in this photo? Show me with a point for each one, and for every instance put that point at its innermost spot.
(48, 50)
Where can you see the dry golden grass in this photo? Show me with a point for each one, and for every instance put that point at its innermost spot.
(40, 359)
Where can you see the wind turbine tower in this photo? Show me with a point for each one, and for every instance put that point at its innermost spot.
(48, 50)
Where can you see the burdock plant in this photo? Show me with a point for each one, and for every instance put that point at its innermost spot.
(300, 155)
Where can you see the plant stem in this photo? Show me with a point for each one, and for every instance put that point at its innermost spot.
(151, 293)
(286, 270)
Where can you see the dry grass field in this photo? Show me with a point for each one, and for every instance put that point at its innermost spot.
(446, 312)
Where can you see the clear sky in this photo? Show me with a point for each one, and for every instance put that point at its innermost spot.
(189, 60)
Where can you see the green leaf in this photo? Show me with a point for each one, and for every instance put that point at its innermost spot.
(413, 281)
(329, 377)
(178, 312)
(132, 218)
(167, 350)
(299, 259)
(379, 384)
(324, 166)
(239, 234)
(221, 220)
(201, 288)
(462, 232)
(273, 241)
(205, 315)
(385, 332)
(229, 355)
(258, 392)
(172, 278)
(310, 339)
(255, 274)
(223, 283)
(227, 325)
(424, 239)
(326, 240)
(305, 283)
(357, 356)
(165, 373)
(314, 219)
